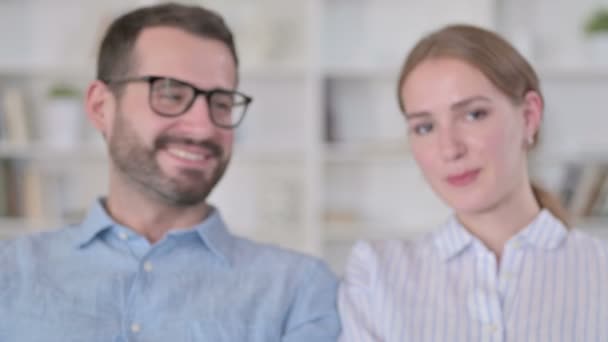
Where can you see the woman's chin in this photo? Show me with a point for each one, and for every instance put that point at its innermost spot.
(468, 203)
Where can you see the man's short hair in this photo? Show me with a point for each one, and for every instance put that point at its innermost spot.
(115, 58)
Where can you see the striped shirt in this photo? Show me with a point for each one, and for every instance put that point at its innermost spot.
(551, 285)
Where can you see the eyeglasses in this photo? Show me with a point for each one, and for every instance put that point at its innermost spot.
(170, 97)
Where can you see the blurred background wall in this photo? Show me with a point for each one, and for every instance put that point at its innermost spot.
(322, 158)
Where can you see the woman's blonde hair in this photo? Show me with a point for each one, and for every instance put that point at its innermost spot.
(499, 61)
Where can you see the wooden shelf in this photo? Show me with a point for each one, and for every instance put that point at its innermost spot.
(273, 73)
(597, 157)
(38, 151)
(592, 222)
(595, 226)
(363, 73)
(263, 72)
(47, 72)
(14, 227)
(582, 72)
(359, 230)
(545, 72)
(385, 152)
(241, 153)
(244, 153)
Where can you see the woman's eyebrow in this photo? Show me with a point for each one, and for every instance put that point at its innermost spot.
(464, 103)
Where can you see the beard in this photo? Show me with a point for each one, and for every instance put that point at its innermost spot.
(138, 163)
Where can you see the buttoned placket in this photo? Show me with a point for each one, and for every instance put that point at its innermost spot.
(485, 300)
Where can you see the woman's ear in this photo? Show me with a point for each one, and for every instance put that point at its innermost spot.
(533, 114)
(100, 106)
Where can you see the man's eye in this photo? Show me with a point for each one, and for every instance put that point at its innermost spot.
(222, 105)
(173, 97)
(169, 96)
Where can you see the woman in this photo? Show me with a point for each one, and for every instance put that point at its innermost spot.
(506, 266)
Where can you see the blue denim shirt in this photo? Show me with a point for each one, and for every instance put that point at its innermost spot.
(100, 281)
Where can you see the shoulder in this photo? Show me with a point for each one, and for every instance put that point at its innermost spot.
(388, 251)
(279, 261)
(24, 257)
(257, 252)
(371, 259)
(39, 245)
(580, 240)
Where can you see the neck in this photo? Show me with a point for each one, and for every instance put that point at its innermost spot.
(496, 225)
(149, 215)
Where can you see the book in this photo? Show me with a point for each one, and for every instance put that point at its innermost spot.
(3, 128)
(572, 175)
(3, 188)
(595, 192)
(600, 207)
(33, 203)
(13, 189)
(14, 118)
(587, 190)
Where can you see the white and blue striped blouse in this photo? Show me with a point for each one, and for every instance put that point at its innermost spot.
(551, 285)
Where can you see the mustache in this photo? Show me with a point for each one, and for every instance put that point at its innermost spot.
(164, 140)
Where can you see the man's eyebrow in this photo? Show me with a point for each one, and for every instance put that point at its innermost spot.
(417, 115)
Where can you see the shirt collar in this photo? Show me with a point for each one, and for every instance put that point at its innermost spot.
(212, 231)
(545, 232)
(95, 222)
(215, 235)
(451, 239)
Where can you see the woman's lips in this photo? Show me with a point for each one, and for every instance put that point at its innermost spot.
(463, 179)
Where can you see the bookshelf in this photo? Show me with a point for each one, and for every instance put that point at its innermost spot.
(322, 158)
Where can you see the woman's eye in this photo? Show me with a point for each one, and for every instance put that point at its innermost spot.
(423, 128)
(476, 115)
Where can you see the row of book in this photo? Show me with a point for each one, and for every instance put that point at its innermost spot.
(21, 190)
(14, 123)
(23, 186)
(34, 192)
(585, 190)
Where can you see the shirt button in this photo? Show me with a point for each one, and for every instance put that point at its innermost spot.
(508, 276)
(135, 328)
(123, 236)
(492, 328)
(516, 244)
(148, 266)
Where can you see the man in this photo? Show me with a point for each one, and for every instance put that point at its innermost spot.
(153, 261)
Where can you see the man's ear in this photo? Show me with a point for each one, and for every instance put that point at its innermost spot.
(533, 114)
(100, 105)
